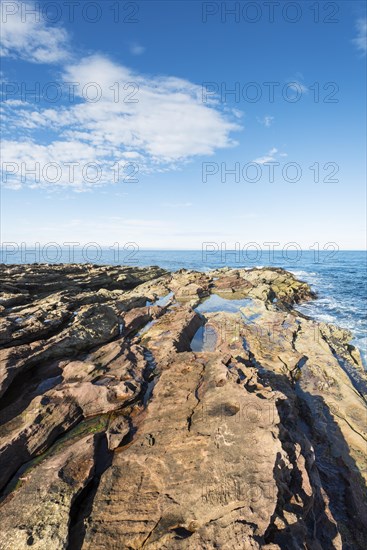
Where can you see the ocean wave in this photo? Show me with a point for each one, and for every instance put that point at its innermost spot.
(300, 273)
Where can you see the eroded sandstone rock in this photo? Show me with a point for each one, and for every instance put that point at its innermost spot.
(115, 434)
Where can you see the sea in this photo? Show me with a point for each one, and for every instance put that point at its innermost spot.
(338, 277)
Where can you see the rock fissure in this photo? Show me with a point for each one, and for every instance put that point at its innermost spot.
(197, 397)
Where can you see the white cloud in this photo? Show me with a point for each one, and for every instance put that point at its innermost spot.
(16, 103)
(157, 122)
(136, 49)
(360, 41)
(132, 155)
(270, 156)
(237, 113)
(25, 34)
(59, 163)
(264, 159)
(296, 85)
(266, 120)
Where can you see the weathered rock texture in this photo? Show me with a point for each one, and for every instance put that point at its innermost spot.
(116, 435)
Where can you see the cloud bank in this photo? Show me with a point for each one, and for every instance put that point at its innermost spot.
(108, 114)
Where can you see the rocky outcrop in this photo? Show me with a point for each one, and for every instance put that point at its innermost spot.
(116, 434)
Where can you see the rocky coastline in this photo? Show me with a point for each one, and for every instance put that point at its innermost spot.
(147, 409)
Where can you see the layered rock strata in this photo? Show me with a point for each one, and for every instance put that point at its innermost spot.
(148, 409)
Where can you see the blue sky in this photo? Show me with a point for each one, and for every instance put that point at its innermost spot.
(171, 64)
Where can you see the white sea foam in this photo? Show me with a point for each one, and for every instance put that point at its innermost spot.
(300, 273)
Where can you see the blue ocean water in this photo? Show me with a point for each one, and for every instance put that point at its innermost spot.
(338, 277)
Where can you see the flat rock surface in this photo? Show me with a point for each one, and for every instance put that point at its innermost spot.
(147, 409)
